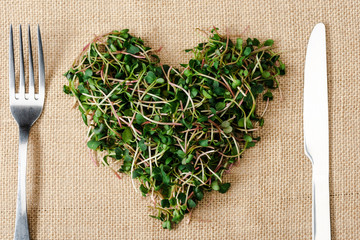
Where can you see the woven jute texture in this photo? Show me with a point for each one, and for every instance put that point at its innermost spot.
(270, 198)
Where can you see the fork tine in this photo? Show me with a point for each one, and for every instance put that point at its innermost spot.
(11, 66)
(41, 68)
(31, 68)
(22, 72)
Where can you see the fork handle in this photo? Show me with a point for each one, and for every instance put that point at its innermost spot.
(21, 224)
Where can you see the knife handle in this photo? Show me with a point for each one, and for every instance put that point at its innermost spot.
(321, 203)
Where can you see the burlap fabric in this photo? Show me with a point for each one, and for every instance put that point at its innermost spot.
(270, 198)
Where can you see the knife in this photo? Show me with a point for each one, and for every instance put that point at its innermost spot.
(316, 130)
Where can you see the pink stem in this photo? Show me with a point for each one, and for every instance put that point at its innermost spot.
(227, 86)
(102, 73)
(228, 171)
(126, 53)
(190, 130)
(87, 45)
(132, 120)
(216, 30)
(219, 165)
(243, 98)
(159, 49)
(116, 173)
(92, 158)
(215, 125)
(130, 82)
(192, 193)
(117, 117)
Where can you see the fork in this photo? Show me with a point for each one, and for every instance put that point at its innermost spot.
(26, 109)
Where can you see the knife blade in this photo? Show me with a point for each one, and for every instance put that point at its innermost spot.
(316, 130)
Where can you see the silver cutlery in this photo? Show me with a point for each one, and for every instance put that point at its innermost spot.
(26, 109)
(316, 130)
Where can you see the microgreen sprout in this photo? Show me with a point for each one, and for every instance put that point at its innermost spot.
(176, 133)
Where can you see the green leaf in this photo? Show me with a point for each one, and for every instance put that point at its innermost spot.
(139, 119)
(215, 185)
(118, 153)
(181, 154)
(191, 203)
(198, 194)
(257, 89)
(261, 122)
(150, 77)
(160, 80)
(88, 72)
(98, 113)
(282, 69)
(250, 144)
(166, 225)
(206, 94)
(168, 160)
(202, 118)
(188, 73)
(99, 128)
(228, 130)
(269, 42)
(137, 173)
(194, 92)
(268, 95)
(216, 64)
(66, 89)
(142, 145)
(204, 143)
(248, 123)
(247, 138)
(173, 201)
(188, 159)
(182, 197)
(133, 49)
(165, 177)
(246, 72)
(187, 125)
(166, 109)
(82, 89)
(143, 189)
(128, 113)
(165, 203)
(113, 48)
(225, 124)
(235, 84)
(239, 43)
(224, 187)
(220, 106)
(84, 118)
(69, 75)
(219, 91)
(265, 74)
(247, 51)
(177, 216)
(127, 135)
(93, 144)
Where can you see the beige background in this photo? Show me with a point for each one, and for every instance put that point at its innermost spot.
(270, 198)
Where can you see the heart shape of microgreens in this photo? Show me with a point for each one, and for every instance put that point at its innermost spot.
(175, 132)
